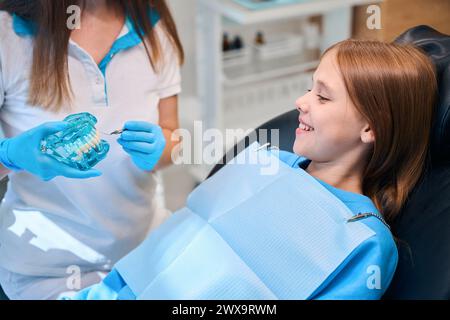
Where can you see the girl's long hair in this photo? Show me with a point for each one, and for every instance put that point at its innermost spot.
(50, 85)
(395, 88)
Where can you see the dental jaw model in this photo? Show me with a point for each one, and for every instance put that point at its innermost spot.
(79, 145)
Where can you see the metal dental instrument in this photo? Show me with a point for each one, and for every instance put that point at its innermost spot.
(268, 146)
(116, 132)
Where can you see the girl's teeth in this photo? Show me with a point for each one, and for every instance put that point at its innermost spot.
(304, 127)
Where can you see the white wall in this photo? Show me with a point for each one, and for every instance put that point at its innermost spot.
(184, 15)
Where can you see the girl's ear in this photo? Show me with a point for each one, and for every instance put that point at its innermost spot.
(367, 135)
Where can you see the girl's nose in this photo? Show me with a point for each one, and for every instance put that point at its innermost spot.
(301, 104)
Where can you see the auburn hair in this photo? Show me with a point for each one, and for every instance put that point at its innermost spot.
(394, 88)
(49, 80)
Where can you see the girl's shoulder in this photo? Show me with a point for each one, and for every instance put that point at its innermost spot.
(383, 240)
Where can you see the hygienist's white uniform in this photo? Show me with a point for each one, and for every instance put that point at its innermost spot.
(51, 230)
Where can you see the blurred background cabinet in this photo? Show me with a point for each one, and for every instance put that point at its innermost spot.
(245, 95)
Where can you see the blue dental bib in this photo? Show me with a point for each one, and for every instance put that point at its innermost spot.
(246, 235)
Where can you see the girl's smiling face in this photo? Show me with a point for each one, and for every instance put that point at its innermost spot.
(337, 128)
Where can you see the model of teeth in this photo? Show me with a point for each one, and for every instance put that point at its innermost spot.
(79, 145)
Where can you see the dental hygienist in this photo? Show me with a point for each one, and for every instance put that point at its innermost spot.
(62, 229)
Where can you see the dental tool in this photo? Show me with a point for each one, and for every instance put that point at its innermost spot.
(115, 132)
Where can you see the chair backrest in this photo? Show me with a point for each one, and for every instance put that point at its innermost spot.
(423, 226)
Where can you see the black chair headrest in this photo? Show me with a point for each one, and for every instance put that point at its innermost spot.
(437, 46)
(423, 268)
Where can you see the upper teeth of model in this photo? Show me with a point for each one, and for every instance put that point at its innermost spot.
(305, 127)
(86, 143)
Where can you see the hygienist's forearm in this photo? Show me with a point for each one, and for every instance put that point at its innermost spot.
(166, 158)
(168, 120)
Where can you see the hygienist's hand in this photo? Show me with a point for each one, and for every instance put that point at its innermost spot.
(144, 142)
(23, 152)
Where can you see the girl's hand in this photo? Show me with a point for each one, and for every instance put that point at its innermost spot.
(144, 142)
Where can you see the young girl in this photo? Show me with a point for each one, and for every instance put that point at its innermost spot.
(363, 133)
(121, 64)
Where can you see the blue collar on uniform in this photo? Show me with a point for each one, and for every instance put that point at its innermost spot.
(23, 27)
(127, 41)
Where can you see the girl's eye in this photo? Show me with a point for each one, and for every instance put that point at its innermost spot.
(322, 99)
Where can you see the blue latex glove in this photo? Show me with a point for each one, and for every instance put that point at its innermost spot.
(144, 142)
(23, 153)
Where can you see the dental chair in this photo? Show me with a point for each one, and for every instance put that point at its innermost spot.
(423, 227)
